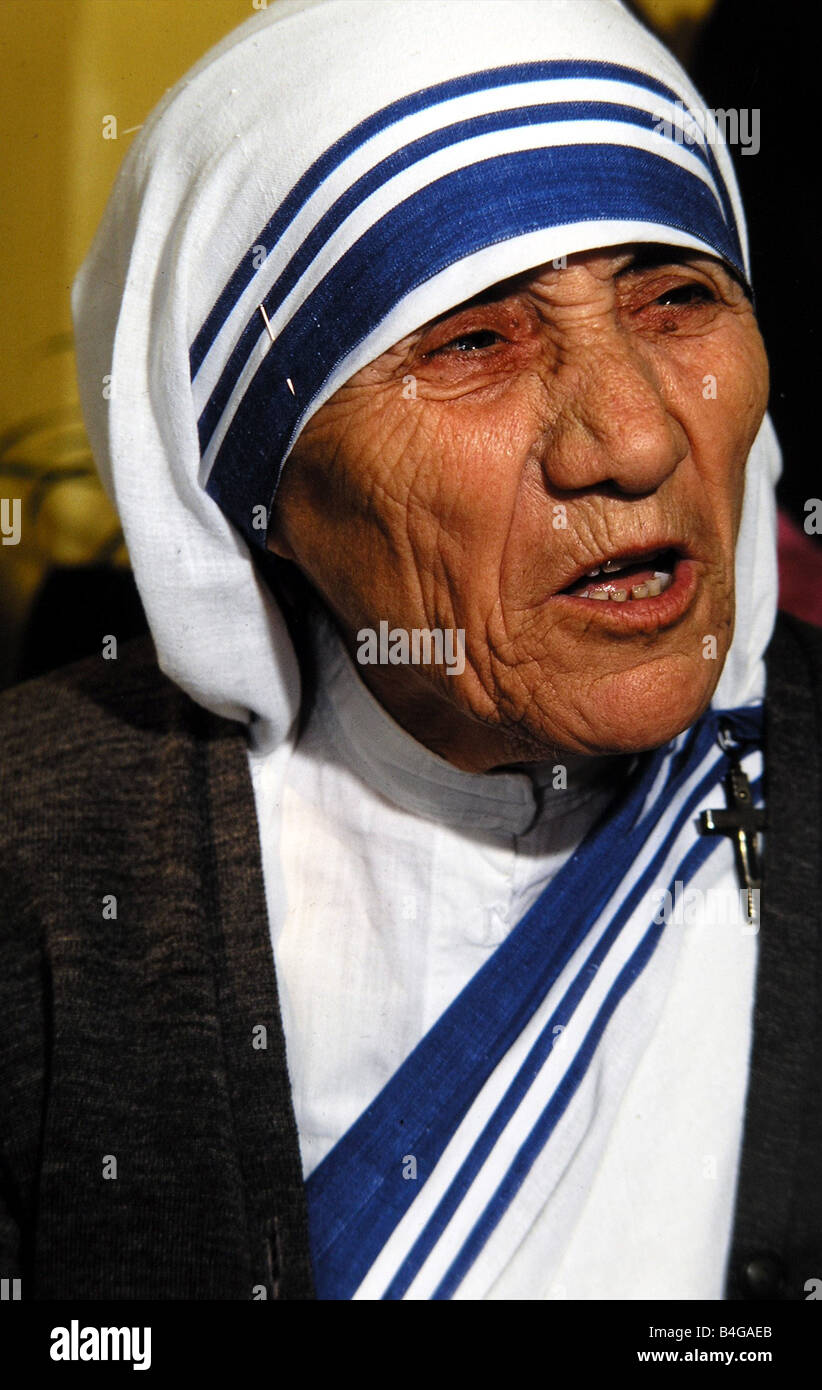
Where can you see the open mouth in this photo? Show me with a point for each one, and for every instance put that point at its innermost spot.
(626, 579)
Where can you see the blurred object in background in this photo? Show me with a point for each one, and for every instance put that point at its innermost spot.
(800, 572)
(678, 22)
(65, 521)
(79, 78)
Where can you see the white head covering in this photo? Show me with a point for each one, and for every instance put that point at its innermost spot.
(357, 168)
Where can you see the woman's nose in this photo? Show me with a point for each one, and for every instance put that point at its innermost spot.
(614, 426)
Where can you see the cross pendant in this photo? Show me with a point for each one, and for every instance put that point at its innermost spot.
(743, 822)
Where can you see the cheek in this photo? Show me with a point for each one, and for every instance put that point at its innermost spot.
(403, 498)
(730, 372)
(452, 473)
(716, 386)
(724, 420)
(479, 470)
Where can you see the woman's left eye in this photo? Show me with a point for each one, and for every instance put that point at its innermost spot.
(469, 342)
(686, 294)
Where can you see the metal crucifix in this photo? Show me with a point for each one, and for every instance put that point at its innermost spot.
(741, 820)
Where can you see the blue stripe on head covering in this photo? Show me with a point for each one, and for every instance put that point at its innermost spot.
(409, 105)
(244, 444)
(388, 168)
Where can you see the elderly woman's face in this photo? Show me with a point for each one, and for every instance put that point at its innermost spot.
(472, 476)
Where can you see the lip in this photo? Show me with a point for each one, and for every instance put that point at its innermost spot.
(627, 557)
(641, 614)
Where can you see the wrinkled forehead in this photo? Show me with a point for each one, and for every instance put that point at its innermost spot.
(433, 197)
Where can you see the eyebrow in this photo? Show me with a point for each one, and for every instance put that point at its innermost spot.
(649, 255)
(643, 256)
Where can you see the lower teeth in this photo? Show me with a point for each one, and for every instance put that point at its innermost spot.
(651, 588)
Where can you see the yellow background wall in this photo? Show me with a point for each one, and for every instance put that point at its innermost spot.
(65, 65)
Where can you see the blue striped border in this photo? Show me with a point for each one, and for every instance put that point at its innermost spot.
(528, 1153)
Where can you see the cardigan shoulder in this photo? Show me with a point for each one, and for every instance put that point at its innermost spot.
(102, 798)
(795, 640)
(135, 965)
(101, 824)
(95, 756)
(778, 1211)
(85, 717)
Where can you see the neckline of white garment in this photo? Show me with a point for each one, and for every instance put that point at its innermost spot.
(416, 779)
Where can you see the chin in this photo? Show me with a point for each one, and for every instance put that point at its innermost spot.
(637, 736)
(639, 710)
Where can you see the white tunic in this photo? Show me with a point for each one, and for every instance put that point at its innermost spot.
(401, 875)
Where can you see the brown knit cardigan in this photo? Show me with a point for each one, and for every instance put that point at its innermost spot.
(148, 1149)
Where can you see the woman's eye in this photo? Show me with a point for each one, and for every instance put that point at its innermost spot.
(686, 294)
(469, 342)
